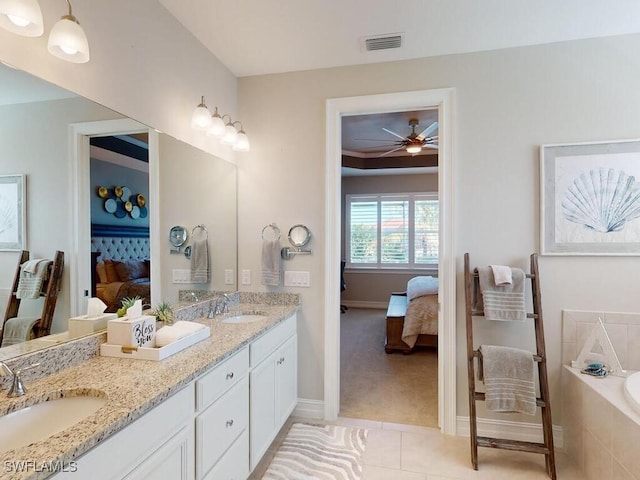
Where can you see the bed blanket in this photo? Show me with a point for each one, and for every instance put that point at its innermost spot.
(421, 318)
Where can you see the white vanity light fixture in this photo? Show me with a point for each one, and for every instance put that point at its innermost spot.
(67, 39)
(242, 141)
(201, 117)
(216, 129)
(230, 133)
(23, 17)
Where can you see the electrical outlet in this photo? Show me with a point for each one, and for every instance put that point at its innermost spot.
(228, 276)
(246, 277)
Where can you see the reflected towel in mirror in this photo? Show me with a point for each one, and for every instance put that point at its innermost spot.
(200, 261)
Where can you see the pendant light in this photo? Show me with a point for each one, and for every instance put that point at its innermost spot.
(68, 41)
(23, 17)
(201, 117)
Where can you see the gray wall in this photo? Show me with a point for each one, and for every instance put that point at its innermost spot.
(508, 103)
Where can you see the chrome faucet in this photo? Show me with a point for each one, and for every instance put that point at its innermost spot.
(17, 387)
(191, 296)
(221, 305)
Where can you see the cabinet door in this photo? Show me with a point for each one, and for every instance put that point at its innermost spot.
(286, 380)
(262, 408)
(172, 461)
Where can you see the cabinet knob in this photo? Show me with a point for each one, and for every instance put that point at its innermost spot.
(230, 423)
(229, 375)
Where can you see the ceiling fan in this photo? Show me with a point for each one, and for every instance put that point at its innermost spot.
(414, 142)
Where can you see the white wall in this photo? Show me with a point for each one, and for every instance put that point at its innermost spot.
(196, 188)
(508, 103)
(144, 64)
(33, 141)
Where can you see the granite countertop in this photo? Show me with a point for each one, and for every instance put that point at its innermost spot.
(132, 388)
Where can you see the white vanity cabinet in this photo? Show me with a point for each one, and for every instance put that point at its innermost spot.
(222, 419)
(273, 380)
(159, 441)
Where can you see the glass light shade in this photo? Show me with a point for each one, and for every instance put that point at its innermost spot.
(242, 142)
(230, 135)
(201, 118)
(216, 128)
(68, 41)
(23, 17)
(414, 149)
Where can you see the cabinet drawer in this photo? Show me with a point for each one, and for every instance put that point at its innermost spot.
(234, 465)
(214, 383)
(266, 344)
(220, 424)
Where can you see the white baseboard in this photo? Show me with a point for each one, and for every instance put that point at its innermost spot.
(312, 409)
(361, 304)
(526, 432)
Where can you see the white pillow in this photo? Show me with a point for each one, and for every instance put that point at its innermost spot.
(420, 286)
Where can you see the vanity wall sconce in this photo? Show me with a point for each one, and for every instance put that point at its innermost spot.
(67, 39)
(215, 126)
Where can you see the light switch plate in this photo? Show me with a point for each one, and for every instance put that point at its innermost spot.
(228, 276)
(293, 278)
(246, 277)
(181, 275)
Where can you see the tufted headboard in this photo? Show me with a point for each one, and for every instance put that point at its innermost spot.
(120, 243)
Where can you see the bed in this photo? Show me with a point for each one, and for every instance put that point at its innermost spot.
(120, 264)
(412, 316)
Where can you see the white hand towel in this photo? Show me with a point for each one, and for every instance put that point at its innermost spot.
(173, 333)
(501, 275)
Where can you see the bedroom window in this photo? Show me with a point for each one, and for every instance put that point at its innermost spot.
(392, 230)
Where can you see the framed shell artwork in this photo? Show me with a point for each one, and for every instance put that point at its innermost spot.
(590, 198)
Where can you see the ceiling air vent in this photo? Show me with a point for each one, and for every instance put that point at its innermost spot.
(383, 42)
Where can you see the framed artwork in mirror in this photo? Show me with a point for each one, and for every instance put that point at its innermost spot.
(590, 198)
(12, 212)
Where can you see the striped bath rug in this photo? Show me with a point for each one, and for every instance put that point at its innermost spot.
(320, 452)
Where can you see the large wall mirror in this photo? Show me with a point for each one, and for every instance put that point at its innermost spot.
(193, 188)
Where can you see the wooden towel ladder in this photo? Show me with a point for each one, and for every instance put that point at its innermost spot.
(545, 448)
(49, 291)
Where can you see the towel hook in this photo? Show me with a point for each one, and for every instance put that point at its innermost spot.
(273, 227)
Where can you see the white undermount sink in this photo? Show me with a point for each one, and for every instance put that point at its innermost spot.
(243, 318)
(40, 421)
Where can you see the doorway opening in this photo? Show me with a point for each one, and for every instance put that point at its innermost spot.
(389, 192)
(81, 193)
(442, 100)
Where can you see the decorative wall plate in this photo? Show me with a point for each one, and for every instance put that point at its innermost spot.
(117, 191)
(103, 192)
(110, 205)
(135, 212)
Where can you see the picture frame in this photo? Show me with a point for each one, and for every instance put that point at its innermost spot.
(590, 198)
(13, 230)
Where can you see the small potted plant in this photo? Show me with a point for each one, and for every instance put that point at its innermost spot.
(131, 328)
(127, 302)
(163, 313)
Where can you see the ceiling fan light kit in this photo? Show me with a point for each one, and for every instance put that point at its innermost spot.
(215, 126)
(414, 142)
(67, 39)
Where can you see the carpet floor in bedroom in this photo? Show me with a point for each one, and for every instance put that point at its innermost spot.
(374, 385)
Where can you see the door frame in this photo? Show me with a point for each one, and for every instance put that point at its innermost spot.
(79, 261)
(444, 100)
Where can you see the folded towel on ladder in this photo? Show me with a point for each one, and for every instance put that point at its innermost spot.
(271, 263)
(18, 330)
(500, 302)
(199, 261)
(509, 379)
(33, 273)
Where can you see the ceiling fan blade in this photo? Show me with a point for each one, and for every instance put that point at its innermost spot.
(371, 140)
(431, 128)
(391, 151)
(430, 145)
(394, 133)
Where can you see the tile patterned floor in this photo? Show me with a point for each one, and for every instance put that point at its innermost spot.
(409, 452)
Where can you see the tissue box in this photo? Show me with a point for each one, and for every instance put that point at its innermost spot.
(86, 325)
(140, 332)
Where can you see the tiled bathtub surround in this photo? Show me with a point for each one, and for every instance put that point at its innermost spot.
(601, 431)
(623, 330)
